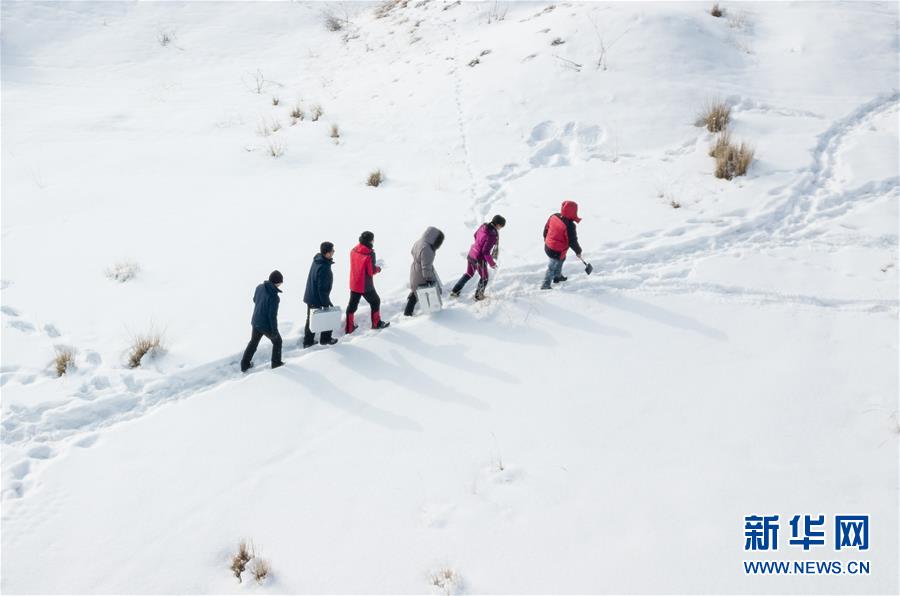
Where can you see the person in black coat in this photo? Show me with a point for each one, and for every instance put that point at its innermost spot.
(265, 320)
(318, 292)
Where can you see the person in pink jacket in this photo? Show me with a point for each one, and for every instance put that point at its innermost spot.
(481, 256)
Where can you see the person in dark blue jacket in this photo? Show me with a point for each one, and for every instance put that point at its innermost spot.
(318, 292)
(265, 320)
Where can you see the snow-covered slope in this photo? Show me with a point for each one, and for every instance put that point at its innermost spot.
(735, 355)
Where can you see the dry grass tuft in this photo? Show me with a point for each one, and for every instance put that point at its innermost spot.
(241, 558)
(297, 114)
(375, 178)
(142, 345)
(275, 148)
(123, 271)
(334, 132)
(260, 569)
(731, 159)
(275, 100)
(715, 116)
(316, 112)
(237, 567)
(64, 360)
(333, 22)
(446, 580)
(246, 550)
(716, 10)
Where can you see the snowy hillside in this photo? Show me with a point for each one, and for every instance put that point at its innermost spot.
(735, 351)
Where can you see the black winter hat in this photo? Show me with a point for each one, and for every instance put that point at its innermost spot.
(326, 247)
(367, 238)
(498, 220)
(276, 277)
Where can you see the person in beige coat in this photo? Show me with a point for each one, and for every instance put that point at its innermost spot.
(421, 272)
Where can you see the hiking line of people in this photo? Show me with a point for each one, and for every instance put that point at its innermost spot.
(322, 316)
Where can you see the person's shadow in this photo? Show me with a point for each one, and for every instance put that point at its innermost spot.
(404, 374)
(318, 385)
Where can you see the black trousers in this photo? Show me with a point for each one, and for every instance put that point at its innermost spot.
(255, 336)
(309, 338)
(371, 297)
(411, 302)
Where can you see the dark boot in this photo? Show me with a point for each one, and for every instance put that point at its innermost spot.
(377, 323)
(410, 304)
(326, 340)
(560, 278)
(479, 291)
(460, 285)
(276, 350)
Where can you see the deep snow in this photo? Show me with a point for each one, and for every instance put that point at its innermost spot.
(736, 355)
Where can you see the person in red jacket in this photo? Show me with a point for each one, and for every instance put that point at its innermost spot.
(559, 236)
(362, 285)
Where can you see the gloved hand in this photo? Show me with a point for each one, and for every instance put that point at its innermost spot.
(493, 265)
(379, 264)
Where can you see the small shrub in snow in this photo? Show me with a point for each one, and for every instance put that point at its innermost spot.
(258, 82)
(675, 204)
(64, 360)
(123, 271)
(245, 550)
(315, 112)
(557, 41)
(275, 149)
(276, 126)
(297, 114)
(336, 22)
(164, 38)
(731, 159)
(715, 116)
(260, 569)
(275, 100)
(447, 580)
(716, 10)
(238, 566)
(334, 132)
(143, 345)
(241, 558)
(375, 178)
